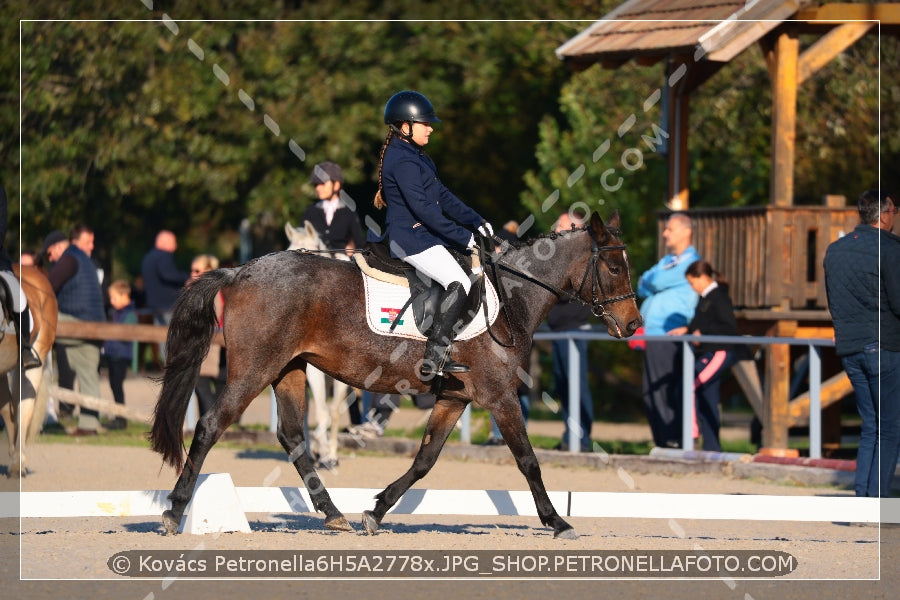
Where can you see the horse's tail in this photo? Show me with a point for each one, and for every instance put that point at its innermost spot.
(187, 343)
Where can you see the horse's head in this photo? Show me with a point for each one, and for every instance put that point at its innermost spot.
(304, 237)
(606, 283)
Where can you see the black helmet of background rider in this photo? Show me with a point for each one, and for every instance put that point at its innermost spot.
(408, 107)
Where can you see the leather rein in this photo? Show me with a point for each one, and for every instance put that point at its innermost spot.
(597, 306)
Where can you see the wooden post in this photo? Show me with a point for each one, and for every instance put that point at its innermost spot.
(777, 388)
(784, 117)
(679, 111)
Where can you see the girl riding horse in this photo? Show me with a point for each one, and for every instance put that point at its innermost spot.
(422, 220)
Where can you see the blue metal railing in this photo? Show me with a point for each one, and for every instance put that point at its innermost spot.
(687, 373)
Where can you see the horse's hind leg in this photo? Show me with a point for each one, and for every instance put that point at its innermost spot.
(234, 400)
(440, 425)
(291, 394)
(509, 421)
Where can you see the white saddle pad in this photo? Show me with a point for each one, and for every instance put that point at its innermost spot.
(385, 300)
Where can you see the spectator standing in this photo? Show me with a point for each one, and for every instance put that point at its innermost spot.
(119, 353)
(714, 316)
(567, 315)
(212, 373)
(863, 288)
(82, 236)
(669, 303)
(163, 280)
(74, 279)
(55, 244)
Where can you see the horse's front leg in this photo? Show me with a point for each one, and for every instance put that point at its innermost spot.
(512, 426)
(291, 395)
(440, 424)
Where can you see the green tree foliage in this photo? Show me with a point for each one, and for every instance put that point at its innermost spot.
(195, 125)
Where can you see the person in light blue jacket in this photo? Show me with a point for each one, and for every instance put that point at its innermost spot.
(423, 219)
(669, 303)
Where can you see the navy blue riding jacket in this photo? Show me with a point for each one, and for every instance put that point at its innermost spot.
(421, 211)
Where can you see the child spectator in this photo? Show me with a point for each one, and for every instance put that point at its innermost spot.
(119, 354)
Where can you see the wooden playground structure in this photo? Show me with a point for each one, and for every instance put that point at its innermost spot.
(772, 254)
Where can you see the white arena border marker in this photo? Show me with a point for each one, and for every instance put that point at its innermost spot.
(214, 507)
(634, 505)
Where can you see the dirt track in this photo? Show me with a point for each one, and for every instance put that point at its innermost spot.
(79, 548)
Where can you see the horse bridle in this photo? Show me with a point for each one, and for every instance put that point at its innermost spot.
(593, 268)
(597, 306)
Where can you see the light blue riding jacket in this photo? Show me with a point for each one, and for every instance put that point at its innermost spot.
(669, 300)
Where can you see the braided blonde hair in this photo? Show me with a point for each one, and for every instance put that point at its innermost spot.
(379, 199)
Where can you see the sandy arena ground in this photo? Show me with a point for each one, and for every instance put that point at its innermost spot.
(71, 551)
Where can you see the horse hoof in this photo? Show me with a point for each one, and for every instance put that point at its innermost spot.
(171, 522)
(338, 524)
(566, 534)
(370, 522)
(329, 464)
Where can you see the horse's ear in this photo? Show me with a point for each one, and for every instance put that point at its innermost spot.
(615, 222)
(599, 229)
(310, 230)
(289, 231)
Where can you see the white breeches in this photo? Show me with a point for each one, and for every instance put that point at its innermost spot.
(437, 263)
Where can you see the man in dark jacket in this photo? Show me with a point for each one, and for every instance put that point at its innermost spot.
(75, 281)
(163, 280)
(863, 286)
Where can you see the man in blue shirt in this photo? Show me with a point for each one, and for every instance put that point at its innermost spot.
(863, 287)
(669, 303)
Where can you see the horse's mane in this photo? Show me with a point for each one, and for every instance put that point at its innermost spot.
(518, 244)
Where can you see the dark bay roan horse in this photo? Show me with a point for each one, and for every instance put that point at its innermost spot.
(287, 309)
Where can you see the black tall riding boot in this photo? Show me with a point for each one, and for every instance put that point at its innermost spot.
(29, 360)
(440, 342)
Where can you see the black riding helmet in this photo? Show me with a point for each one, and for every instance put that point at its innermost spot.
(409, 106)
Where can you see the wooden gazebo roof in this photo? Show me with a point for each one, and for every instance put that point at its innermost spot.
(651, 30)
(697, 38)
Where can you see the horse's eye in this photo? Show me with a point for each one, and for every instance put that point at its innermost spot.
(614, 270)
